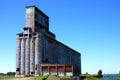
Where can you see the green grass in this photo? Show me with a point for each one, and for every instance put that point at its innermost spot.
(64, 76)
(6, 77)
(118, 77)
(92, 78)
(40, 77)
(45, 77)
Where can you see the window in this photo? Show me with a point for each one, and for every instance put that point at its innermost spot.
(34, 34)
(20, 35)
(18, 69)
(46, 60)
(25, 34)
(30, 35)
(32, 72)
(36, 67)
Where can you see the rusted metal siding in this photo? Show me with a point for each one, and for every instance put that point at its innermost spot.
(44, 68)
(60, 68)
(57, 69)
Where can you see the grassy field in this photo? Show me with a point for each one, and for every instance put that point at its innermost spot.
(46, 77)
(40, 77)
(118, 77)
(6, 77)
(93, 78)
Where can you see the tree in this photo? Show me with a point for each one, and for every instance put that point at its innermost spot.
(10, 73)
(100, 72)
(86, 73)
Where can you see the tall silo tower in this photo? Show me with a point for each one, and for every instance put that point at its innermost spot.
(29, 45)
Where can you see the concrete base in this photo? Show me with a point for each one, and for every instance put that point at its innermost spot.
(22, 75)
(36, 74)
(17, 75)
(69, 74)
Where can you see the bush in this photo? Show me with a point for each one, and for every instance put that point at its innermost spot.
(100, 72)
(10, 73)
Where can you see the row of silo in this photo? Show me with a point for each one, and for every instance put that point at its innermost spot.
(28, 56)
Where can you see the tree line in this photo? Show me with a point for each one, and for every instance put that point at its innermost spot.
(8, 73)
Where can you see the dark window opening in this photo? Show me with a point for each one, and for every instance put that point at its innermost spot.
(25, 34)
(42, 61)
(36, 16)
(46, 60)
(25, 28)
(35, 30)
(18, 69)
(32, 72)
(34, 34)
(38, 24)
(30, 35)
(20, 35)
(36, 67)
(49, 41)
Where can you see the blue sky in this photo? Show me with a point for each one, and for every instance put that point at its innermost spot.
(91, 27)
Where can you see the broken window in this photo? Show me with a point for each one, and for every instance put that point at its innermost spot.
(18, 69)
(32, 72)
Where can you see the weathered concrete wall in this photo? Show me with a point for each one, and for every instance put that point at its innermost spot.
(57, 53)
(36, 45)
(30, 18)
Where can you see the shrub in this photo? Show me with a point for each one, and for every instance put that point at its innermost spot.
(100, 72)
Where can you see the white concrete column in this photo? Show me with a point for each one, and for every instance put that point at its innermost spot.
(22, 57)
(32, 56)
(27, 57)
(18, 52)
(38, 54)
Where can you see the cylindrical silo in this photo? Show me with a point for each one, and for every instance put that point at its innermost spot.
(38, 54)
(18, 52)
(27, 57)
(23, 57)
(32, 56)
